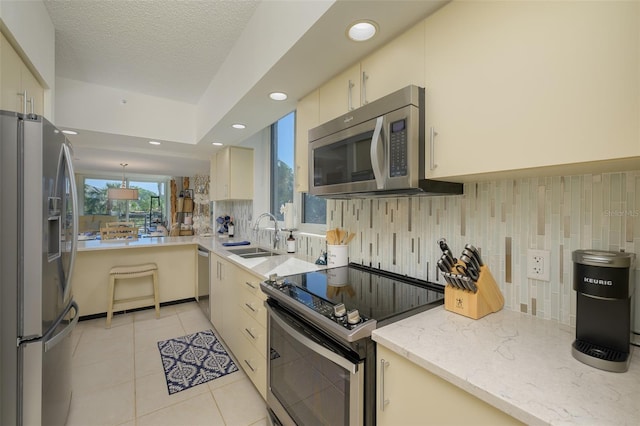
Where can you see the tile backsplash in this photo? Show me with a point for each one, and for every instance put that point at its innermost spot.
(503, 218)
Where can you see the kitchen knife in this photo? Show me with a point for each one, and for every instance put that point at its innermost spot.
(461, 283)
(467, 272)
(476, 253)
(449, 278)
(442, 266)
(447, 262)
(471, 285)
(450, 256)
(443, 244)
(470, 260)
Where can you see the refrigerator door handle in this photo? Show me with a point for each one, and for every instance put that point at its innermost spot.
(74, 205)
(50, 343)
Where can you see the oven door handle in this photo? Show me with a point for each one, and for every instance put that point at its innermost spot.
(320, 350)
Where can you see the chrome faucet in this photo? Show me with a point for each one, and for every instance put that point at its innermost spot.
(276, 237)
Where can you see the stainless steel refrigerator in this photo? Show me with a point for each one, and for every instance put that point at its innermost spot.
(38, 240)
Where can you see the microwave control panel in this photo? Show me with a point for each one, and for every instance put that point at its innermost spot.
(398, 149)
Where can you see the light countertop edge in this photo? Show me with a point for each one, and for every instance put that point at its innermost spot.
(519, 364)
(283, 264)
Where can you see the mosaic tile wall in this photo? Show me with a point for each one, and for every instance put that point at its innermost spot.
(504, 219)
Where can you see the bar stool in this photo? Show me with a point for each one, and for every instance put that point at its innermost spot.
(132, 271)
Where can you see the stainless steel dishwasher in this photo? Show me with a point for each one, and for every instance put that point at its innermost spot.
(203, 281)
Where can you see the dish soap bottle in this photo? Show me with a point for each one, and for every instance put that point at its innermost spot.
(291, 243)
(231, 228)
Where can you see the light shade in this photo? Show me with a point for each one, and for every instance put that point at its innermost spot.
(122, 194)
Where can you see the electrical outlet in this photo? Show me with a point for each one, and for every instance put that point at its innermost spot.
(539, 265)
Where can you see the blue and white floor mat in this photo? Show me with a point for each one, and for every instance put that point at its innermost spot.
(194, 359)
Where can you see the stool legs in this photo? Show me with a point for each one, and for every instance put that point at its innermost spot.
(156, 293)
(112, 283)
(127, 274)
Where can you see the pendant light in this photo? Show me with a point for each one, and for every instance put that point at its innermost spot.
(122, 193)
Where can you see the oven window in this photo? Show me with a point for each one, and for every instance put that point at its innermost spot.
(344, 162)
(312, 389)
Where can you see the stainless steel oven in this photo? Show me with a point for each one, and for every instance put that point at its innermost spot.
(321, 367)
(312, 380)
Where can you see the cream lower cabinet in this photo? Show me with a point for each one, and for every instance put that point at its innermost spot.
(219, 291)
(501, 96)
(239, 315)
(414, 396)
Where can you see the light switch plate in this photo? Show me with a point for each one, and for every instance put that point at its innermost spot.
(539, 264)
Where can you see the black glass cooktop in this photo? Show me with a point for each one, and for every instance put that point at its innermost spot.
(376, 294)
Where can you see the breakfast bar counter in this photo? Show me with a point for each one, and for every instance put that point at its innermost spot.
(177, 266)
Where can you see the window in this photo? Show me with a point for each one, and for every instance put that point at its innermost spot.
(95, 201)
(282, 146)
(313, 209)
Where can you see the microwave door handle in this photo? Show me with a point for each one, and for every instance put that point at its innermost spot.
(376, 144)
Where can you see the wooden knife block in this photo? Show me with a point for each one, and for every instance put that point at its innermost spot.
(486, 300)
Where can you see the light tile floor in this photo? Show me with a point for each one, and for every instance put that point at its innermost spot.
(118, 377)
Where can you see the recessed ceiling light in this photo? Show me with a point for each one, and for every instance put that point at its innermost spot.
(155, 143)
(238, 126)
(362, 30)
(69, 132)
(278, 96)
(216, 143)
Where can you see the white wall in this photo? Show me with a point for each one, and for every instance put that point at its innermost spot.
(100, 108)
(28, 24)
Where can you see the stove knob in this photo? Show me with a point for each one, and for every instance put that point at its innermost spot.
(353, 317)
(339, 310)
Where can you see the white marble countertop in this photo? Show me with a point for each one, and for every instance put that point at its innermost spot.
(520, 364)
(283, 264)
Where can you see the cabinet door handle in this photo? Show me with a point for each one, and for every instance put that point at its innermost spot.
(350, 99)
(363, 89)
(432, 148)
(383, 400)
(24, 101)
(249, 365)
(250, 307)
(31, 102)
(250, 333)
(251, 285)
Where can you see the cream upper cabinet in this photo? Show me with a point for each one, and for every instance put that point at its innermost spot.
(517, 85)
(232, 174)
(407, 394)
(397, 64)
(15, 80)
(339, 95)
(307, 117)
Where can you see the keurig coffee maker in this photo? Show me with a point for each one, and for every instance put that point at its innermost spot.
(604, 284)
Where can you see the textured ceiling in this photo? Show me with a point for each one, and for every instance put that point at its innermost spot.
(166, 48)
(174, 49)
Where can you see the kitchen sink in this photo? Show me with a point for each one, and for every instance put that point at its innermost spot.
(251, 252)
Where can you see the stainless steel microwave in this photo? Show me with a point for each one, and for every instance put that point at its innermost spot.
(375, 150)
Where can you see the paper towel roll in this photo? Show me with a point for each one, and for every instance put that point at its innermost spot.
(289, 216)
